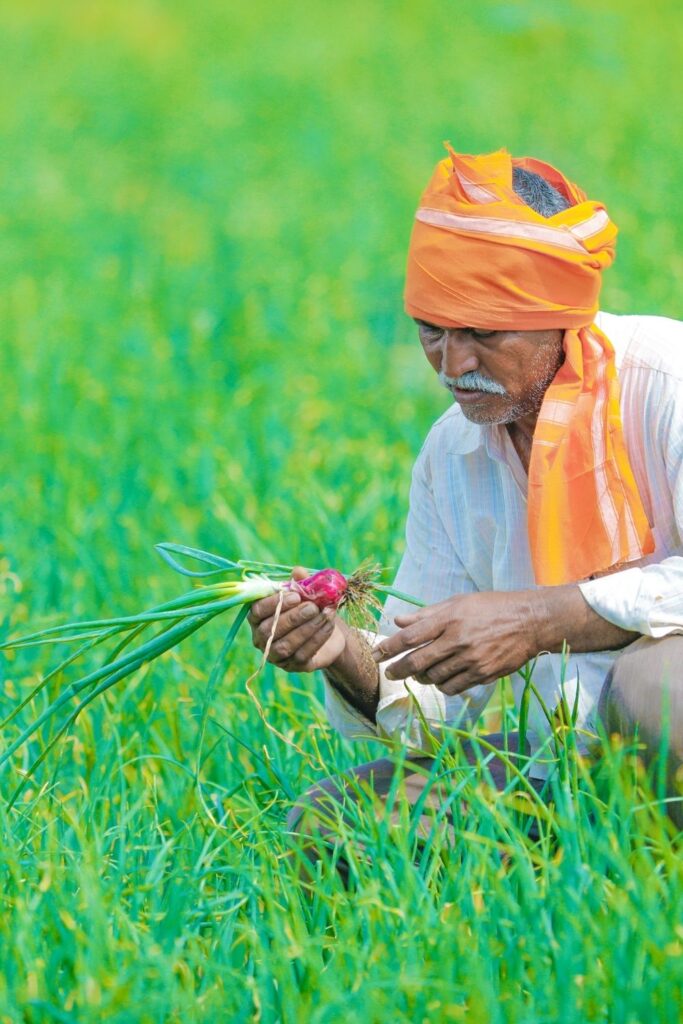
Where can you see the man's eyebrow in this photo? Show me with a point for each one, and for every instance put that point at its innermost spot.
(438, 327)
(425, 323)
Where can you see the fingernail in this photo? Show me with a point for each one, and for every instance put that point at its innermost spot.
(309, 611)
(389, 675)
(377, 655)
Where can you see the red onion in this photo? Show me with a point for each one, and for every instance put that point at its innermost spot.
(326, 587)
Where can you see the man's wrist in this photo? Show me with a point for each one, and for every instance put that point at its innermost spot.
(561, 615)
(354, 674)
(543, 627)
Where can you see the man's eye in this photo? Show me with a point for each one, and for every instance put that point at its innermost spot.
(430, 333)
(481, 334)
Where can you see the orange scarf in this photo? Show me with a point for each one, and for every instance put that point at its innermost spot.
(480, 257)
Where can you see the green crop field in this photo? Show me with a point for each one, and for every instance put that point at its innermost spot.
(204, 215)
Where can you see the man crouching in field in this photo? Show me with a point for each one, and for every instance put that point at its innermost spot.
(546, 504)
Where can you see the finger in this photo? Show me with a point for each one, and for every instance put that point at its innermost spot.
(462, 682)
(407, 620)
(300, 573)
(451, 677)
(441, 611)
(267, 606)
(418, 661)
(441, 671)
(309, 648)
(288, 648)
(286, 622)
(421, 632)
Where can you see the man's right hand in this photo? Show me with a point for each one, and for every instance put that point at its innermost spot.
(305, 639)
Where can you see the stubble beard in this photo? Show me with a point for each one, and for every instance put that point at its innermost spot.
(504, 409)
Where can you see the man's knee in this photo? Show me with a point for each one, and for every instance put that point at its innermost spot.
(316, 808)
(643, 693)
(335, 802)
(321, 822)
(294, 817)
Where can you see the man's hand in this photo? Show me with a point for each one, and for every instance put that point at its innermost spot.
(305, 638)
(462, 641)
(477, 638)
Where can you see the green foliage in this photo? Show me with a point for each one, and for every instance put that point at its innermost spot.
(205, 214)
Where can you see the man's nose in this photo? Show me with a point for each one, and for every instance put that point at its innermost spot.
(457, 354)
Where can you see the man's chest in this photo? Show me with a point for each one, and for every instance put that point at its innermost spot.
(481, 502)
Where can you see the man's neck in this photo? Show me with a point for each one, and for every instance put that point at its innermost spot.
(521, 434)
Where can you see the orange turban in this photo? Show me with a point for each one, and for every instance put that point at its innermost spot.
(480, 257)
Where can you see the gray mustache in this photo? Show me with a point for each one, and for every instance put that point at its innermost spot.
(472, 381)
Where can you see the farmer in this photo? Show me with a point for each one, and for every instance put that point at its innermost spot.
(546, 506)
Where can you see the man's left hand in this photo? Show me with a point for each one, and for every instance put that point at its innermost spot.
(464, 640)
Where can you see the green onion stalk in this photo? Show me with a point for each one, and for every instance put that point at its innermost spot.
(241, 583)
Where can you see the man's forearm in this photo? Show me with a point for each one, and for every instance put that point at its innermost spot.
(355, 675)
(469, 639)
(561, 614)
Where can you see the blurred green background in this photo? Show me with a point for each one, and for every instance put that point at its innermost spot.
(204, 211)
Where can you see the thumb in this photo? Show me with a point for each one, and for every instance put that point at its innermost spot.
(300, 573)
(407, 620)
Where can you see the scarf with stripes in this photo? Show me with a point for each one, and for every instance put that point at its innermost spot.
(480, 257)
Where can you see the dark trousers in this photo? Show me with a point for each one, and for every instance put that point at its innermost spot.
(642, 695)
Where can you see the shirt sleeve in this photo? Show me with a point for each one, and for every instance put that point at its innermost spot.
(431, 570)
(407, 711)
(648, 599)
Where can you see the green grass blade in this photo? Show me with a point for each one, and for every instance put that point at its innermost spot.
(216, 674)
(147, 652)
(53, 635)
(167, 550)
(383, 588)
(74, 656)
(106, 684)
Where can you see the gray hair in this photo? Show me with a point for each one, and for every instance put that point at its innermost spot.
(537, 192)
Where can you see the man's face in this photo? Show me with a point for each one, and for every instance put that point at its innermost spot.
(495, 376)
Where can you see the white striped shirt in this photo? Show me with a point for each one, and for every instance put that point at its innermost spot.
(467, 531)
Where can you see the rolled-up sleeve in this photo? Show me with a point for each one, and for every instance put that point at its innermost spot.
(344, 718)
(648, 600)
(407, 711)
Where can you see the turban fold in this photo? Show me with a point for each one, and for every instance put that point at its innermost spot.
(480, 257)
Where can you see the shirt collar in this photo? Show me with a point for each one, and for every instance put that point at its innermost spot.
(465, 437)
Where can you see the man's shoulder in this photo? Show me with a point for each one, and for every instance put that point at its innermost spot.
(650, 343)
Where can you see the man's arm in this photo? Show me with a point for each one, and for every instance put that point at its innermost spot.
(355, 674)
(563, 614)
(477, 638)
(429, 569)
